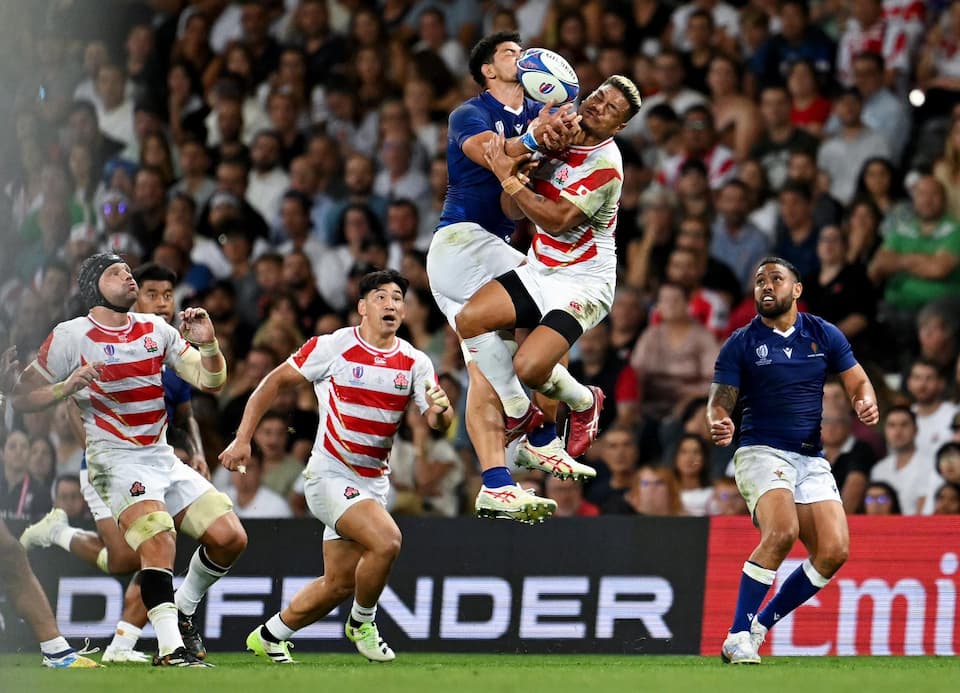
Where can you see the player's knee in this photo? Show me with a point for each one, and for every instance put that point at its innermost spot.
(12, 555)
(531, 372)
(387, 546)
(780, 539)
(466, 323)
(236, 541)
(831, 558)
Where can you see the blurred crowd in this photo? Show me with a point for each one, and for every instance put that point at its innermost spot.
(271, 152)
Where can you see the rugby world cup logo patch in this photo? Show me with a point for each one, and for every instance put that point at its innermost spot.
(762, 351)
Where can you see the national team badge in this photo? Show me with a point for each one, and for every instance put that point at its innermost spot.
(779, 474)
(350, 493)
(137, 489)
(150, 345)
(562, 175)
(401, 382)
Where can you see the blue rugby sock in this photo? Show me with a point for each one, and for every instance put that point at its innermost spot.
(497, 477)
(543, 435)
(755, 581)
(803, 583)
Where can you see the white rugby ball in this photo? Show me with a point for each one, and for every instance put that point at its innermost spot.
(547, 76)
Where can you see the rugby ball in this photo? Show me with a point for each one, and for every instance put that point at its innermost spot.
(547, 76)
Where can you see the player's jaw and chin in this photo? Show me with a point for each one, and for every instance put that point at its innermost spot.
(780, 306)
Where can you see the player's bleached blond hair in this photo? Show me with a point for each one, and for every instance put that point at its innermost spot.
(629, 90)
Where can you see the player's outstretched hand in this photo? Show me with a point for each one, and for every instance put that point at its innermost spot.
(721, 432)
(195, 326)
(82, 377)
(867, 411)
(235, 456)
(9, 370)
(555, 129)
(437, 397)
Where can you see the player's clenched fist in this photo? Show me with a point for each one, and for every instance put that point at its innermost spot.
(721, 432)
(235, 456)
(438, 398)
(867, 411)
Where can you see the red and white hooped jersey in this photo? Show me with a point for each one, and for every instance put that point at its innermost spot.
(362, 394)
(591, 178)
(885, 38)
(123, 408)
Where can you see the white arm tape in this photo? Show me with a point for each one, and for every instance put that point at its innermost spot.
(190, 368)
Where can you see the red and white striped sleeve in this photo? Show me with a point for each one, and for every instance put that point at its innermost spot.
(598, 187)
(59, 355)
(314, 359)
(422, 373)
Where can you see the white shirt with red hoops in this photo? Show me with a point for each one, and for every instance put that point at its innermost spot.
(362, 394)
(123, 408)
(591, 178)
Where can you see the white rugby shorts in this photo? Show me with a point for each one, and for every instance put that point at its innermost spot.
(332, 490)
(586, 301)
(760, 468)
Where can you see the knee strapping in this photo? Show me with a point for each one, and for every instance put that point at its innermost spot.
(148, 526)
(203, 512)
(156, 587)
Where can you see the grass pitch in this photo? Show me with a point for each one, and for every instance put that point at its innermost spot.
(429, 673)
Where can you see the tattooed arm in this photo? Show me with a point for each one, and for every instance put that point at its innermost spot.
(723, 398)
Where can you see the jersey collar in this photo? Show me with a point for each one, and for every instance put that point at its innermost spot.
(115, 330)
(374, 350)
(515, 111)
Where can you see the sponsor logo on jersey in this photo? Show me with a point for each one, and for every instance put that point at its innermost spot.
(788, 351)
(401, 382)
(150, 345)
(350, 493)
(379, 361)
(137, 489)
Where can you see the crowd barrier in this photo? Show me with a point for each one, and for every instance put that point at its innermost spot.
(599, 585)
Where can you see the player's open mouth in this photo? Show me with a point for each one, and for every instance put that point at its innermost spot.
(389, 319)
(767, 299)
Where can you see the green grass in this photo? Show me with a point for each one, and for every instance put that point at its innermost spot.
(427, 673)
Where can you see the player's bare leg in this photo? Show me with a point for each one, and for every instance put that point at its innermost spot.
(29, 601)
(312, 602)
(221, 544)
(776, 515)
(823, 531)
(148, 528)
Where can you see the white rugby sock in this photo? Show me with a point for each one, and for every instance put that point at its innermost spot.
(125, 637)
(55, 646)
(63, 536)
(279, 630)
(564, 387)
(163, 617)
(202, 573)
(494, 360)
(363, 614)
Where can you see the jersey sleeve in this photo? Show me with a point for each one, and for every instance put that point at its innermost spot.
(596, 188)
(467, 121)
(726, 371)
(58, 356)
(840, 356)
(422, 374)
(314, 358)
(173, 342)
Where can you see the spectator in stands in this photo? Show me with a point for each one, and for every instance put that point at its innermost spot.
(693, 190)
(686, 268)
(840, 291)
(232, 179)
(700, 143)
(798, 39)
(843, 155)
(798, 233)
(619, 457)
(919, 260)
(22, 496)
(358, 176)
(734, 239)
(879, 184)
(946, 470)
(68, 497)
(115, 111)
(149, 208)
(737, 118)
(725, 498)
(647, 255)
(809, 110)
(691, 467)
(250, 497)
(926, 385)
(867, 31)
(295, 227)
(696, 60)
(883, 111)
(670, 76)
(569, 497)
(905, 469)
(425, 470)
(780, 137)
(947, 168)
(850, 459)
(357, 225)
(947, 499)
(881, 499)
(694, 235)
(627, 320)
(655, 491)
(267, 181)
(598, 364)
(938, 324)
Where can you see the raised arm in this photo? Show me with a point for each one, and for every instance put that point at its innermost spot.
(720, 404)
(237, 453)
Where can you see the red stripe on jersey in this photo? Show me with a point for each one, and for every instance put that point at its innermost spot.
(543, 187)
(145, 418)
(364, 357)
(357, 448)
(725, 167)
(368, 472)
(133, 394)
(594, 181)
(136, 369)
(138, 330)
(44, 352)
(550, 262)
(552, 242)
(304, 352)
(358, 425)
(137, 440)
(574, 158)
(370, 398)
